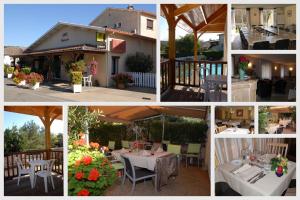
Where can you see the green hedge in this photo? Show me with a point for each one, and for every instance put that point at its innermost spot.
(176, 132)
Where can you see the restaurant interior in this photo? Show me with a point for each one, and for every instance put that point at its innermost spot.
(234, 120)
(263, 27)
(267, 77)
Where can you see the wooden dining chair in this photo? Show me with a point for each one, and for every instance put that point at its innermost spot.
(277, 148)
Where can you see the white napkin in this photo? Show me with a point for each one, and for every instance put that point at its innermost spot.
(159, 150)
(249, 173)
(241, 169)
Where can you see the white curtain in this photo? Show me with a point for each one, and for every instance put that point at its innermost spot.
(227, 149)
(266, 70)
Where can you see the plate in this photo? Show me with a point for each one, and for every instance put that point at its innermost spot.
(236, 162)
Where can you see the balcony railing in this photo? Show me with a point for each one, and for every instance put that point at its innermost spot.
(10, 164)
(190, 73)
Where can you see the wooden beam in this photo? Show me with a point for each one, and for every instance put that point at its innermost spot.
(201, 34)
(215, 16)
(165, 11)
(203, 14)
(188, 22)
(185, 8)
(47, 126)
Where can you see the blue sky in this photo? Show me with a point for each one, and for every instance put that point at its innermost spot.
(25, 23)
(11, 119)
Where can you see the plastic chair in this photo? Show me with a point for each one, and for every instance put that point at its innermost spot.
(21, 169)
(193, 151)
(176, 149)
(46, 173)
(87, 80)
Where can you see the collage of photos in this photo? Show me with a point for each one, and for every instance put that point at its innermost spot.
(156, 99)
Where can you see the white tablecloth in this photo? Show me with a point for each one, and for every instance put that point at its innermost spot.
(269, 185)
(232, 123)
(235, 131)
(272, 128)
(138, 159)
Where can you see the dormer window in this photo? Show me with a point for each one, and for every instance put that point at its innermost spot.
(150, 24)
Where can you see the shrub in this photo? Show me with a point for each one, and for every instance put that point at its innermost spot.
(10, 70)
(139, 63)
(26, 70)
(34, 78)
(122, 78)
(89, 171)
(213, 55)
(76, 77)
(21, 76)
(75, 66)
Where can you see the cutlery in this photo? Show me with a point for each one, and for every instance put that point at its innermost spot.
(258, 178)
(258, 174)
(236, 168)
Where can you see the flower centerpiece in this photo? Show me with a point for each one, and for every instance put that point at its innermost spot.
(243, 64)
(34, 79)
(90, 172)
(279, 165)
(121, 80)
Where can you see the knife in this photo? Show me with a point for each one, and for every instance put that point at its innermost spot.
(259, 173)
(258, 178)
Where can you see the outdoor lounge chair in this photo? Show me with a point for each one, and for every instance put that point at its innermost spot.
(193, 151)
(21, 169)
(176, 149)
(137, 174)
(46, 173)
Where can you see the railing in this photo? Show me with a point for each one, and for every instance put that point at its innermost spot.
(141, 79)
(191, 73)
(10, 164)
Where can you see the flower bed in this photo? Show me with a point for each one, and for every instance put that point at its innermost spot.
(90, 173)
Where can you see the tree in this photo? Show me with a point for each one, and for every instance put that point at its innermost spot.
(185, 45)
(139, 62)
(13, 141)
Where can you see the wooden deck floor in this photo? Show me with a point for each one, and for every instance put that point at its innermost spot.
(183, 94)
(24, 189)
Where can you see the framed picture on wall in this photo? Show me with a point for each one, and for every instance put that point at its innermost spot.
(239, 113)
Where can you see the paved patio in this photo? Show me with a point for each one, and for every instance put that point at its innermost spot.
(58, 92)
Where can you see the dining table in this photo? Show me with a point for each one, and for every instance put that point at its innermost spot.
(235, 130)
(272, 128)
(253, 36)
(33, 165)
(244, 179)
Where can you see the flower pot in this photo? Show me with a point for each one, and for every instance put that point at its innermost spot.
(130, 84)
(77, 88)
(242, 74)
(121, 85)
(9, 75)
(35, 86)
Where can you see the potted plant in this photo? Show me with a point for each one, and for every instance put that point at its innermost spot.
(243, 64)
(20, 79)
(121, 80)
(76, 80)
(9, 71)
(279, 164)
(26, 70)
(34, 79)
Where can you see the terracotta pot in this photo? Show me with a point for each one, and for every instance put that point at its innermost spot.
(121, 85)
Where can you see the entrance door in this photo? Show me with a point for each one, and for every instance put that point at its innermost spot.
(56, 67)
(115, 65)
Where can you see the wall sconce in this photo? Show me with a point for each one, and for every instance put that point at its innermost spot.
(250, 65)
(291, 69)
(275, 68)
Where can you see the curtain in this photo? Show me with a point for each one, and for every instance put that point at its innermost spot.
(227, 149)
(266, 70)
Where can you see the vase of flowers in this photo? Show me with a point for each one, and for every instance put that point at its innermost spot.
(243, 64)
(279, 165)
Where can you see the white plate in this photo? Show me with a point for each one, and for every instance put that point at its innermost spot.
(236, 162)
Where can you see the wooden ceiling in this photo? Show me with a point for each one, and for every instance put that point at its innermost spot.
(128, 114)
(54, 112)
(197, 17)
(280, 109)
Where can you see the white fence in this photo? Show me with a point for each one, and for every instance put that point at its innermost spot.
(141, 79)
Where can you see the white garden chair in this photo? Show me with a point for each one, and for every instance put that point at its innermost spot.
(46, 173)
(21, 169)
(87, 80)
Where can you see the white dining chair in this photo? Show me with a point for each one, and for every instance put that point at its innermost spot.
(21, 169)
(87, 80)
(46, 173)
(277, 148)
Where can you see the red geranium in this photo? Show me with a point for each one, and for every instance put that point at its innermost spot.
(87, 160)
(83, 192)
(243, 59)
(80, 142)
(79, 175)
(94, 175)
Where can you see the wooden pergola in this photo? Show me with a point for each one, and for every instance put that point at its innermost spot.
(193, 18)
(47, 114)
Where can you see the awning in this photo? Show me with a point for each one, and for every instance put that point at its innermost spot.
(128, 114)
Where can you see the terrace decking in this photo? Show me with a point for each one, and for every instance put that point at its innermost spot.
(24, 189)
(191, 181)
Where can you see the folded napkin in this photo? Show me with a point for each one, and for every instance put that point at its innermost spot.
(249, 173)
(241, 169)
(159, 150)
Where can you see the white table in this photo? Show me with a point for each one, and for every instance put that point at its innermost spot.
(33, 164)
(269, 185)
(217, 81)
(138, 159)
(243, 131)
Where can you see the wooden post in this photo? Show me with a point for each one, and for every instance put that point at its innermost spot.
(47, 124)
(172, 48)
(195, 45)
